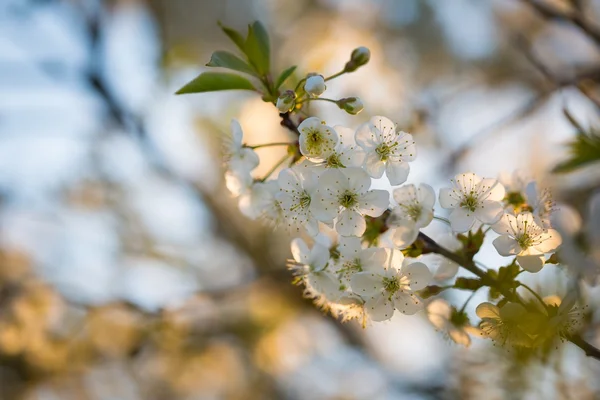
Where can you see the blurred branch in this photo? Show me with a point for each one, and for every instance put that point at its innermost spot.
(575, 17)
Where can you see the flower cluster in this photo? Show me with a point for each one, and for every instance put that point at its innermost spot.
(358, 250)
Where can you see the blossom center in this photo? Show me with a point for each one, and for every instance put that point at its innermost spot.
(525, 241)
(412, 210)
(314, 140)
(515, 198)
(348, 199)
(303, 201)
(333, 161)
(470, 202)
(384, 151)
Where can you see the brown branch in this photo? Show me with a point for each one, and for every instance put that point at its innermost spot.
(574, 17)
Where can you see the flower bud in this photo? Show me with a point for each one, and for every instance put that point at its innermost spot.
(286, 101)
(359, 57)
(352, 105)
(315, 85)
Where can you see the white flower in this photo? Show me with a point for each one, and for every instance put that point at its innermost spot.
(414, 211)
(391, 287)
(296, 198)
(583, 261)
(540, 200)
(345, 155)
(317, 140)
(260, 202)
(354, 258)
(472, 198)
(239, 159)
(452, 322)
(344, 193)
(386, 150)
(523, 237)
(315, 85)
(503, 325)
(311, 266)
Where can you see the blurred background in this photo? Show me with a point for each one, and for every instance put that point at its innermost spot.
(126, 269)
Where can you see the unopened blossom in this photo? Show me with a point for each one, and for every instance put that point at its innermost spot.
(413, 212)
(504, 325)
(359, 57)
(310, 264)
(286, 101)
(344, 195)
(260, 202)
(239, 159)
(317, 140)
(296, 198)
(522, 236)
(452, 322)
(352, 105)
(315, 85)
(392, 286)
(472, 198)
(386, 149)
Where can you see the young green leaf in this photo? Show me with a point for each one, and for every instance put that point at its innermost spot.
(257, 48)
(231, 61)
(584, 149)
(234, 35)
(214, 81)
(283, 76)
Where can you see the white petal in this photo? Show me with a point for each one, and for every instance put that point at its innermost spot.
(418, 274)
(489, 212)
(319, 256)
(324, 207)
(488, 310)
(245, 160)
(505, 225)
(567, 220)
(407, 303)
(446, 270)
(492, 189)
(459, 336)
(373, 259)
(300, 251)
(397, 172)
(325, 283)
(449, 198)
(406, 194)
(373, 165)
(312, 226)
(394, 261)
(532, 263)
(506, 246)
(426, 196)
(385, 125)
(379, 308)
(405, 235)
(333, 181)
(238, 183)
(439, 312)
(366, 284)
(357, 179)
(346, 135)
(367, 137)
(374, 202)
(349, 247)
(289, 180)
(236, 133)
(350, 223)
(461, 220)
(550, 241)
(353, 157)
(467, 182)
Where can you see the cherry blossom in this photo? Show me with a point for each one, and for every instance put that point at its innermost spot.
(472, 198)
(310, 264)
(386, 149)
(523, 237)
(317, 140)
(413, 212)
(344, 194)
(298, 188)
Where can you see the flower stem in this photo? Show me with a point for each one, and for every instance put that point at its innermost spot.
(279, 164)
(316, 98)
(258, 146)
(335, 75)
(462, 309)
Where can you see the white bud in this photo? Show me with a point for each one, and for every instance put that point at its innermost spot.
(352, 105)
(315, 85)
(286, 101)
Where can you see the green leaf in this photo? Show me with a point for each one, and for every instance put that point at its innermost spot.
(235, 36)
(283, 76)
(214, 81)
(231, 61)
(584, 149)
(257, 48)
